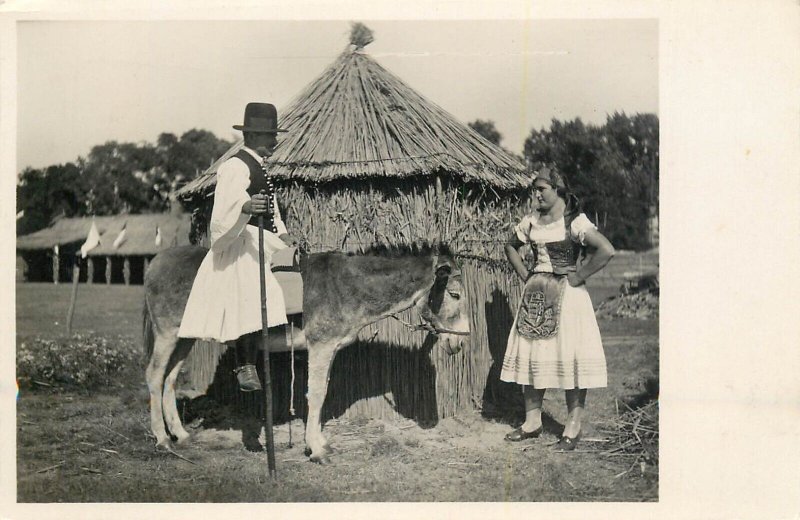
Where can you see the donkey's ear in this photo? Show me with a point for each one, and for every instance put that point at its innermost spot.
(443, 270)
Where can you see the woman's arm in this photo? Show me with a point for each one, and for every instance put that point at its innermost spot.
(600, 252)
(512, 253)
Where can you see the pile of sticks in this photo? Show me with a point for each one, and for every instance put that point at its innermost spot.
(634, 432)
(643, 305)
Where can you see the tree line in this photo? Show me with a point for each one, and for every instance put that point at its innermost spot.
(612, 168)
(115, 178)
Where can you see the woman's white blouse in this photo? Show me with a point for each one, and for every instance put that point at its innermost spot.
(530, 231)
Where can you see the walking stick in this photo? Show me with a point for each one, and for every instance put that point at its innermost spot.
(265, 342)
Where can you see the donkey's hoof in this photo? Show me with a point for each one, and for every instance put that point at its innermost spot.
(322, 460)
(165, 445)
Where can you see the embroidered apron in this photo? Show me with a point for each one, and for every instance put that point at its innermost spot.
(540, 308)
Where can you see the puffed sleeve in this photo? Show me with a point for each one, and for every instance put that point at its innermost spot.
(227, 219)
(523, 229)
(578, 228)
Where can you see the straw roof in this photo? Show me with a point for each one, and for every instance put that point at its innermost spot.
(140, 233)
(358, 120)
(64, 231)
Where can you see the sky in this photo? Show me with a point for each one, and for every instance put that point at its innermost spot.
(82, 83)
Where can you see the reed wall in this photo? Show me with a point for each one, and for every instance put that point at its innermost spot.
(392, 371)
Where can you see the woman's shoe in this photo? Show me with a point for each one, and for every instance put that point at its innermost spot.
(568, 443)
(520, 435)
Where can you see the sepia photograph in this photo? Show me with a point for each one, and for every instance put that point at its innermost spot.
(361, 259)
(459, 223)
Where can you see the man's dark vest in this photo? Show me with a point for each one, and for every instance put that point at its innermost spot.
(258, 182)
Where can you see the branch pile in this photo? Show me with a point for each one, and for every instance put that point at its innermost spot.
(643, 305)
(634, 432)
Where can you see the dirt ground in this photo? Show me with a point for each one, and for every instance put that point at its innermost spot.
(97, 447)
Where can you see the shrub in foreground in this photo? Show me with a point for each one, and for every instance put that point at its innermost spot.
(82, 361)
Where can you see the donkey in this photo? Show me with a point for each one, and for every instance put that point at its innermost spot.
(343, 293)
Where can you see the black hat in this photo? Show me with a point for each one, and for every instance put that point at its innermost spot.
(260, 117)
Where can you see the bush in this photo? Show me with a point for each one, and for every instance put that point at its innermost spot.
(84, 361)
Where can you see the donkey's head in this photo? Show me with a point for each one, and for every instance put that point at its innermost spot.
(445, 310)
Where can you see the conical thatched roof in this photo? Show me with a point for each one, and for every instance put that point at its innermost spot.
(358, 120)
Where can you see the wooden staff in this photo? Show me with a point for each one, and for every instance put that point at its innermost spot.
(265, 341)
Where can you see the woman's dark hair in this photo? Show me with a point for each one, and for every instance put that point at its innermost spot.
(551, 175)
(574, 205)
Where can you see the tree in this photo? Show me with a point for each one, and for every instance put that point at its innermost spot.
(613, 169)
(47, 193)
(115, 178)
(182, 159)
(487, 130)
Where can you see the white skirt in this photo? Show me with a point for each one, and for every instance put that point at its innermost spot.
(225, 302)
(574, 358)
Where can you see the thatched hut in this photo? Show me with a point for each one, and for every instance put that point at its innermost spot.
(49, 253)
(367, 160)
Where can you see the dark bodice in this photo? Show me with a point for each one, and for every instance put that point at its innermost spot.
(564, 254)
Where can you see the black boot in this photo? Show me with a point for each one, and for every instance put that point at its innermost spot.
(247, 351)
(248, 378)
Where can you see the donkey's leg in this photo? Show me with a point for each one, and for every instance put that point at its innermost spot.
(320, 358)
(170, 408)
(163, 347)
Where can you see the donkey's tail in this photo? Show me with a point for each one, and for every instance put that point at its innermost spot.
(148, 339)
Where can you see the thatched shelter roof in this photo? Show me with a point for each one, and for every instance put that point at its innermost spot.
(63, 231)
(140, 233)
(358, 120)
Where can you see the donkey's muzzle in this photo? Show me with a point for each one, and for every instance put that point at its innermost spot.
(453, 343)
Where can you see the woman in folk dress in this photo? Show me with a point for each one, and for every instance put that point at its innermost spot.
(555, 341)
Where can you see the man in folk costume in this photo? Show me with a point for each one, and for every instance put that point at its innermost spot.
(225, 301)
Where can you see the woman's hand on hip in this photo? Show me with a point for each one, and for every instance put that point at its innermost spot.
(257, 205)
(575, 280)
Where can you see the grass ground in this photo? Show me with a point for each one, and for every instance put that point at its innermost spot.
(96, 447)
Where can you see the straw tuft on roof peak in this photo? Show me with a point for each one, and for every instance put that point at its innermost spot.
(358, 121)
(360, 35)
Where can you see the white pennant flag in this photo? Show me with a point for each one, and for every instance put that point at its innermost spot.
(121, 237)
(158, 236)
(92, 240)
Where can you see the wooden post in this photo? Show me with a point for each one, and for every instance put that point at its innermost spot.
(89, 270)
(108, 270)
(76, 274)
(126, 270)
(56, 262)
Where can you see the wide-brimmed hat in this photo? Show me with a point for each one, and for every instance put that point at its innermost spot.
(260, 117)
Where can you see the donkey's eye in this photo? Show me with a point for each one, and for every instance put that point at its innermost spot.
(454, 294)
